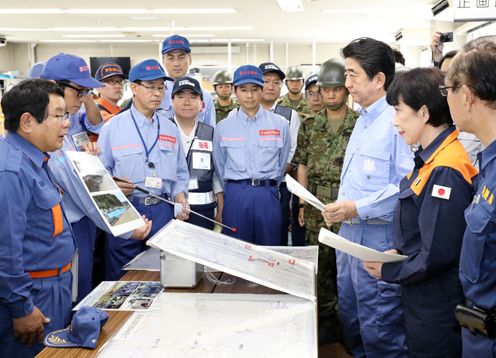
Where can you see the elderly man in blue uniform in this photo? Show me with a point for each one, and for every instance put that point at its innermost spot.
(469, 86)
(176, 57)
(205, 191)
(73, 75)
(251, 149)
(36, 246)
(273, 77)
(375, 161)
(144, 148)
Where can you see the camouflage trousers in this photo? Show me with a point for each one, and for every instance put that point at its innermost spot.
(329, 326)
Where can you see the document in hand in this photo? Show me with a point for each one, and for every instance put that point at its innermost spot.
(118, 214)
(359, 251)
(298, 190)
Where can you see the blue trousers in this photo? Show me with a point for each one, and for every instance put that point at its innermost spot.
(199, 221)
(119, 252)
(53, 297)
(370, 310)
(254, 211)
(85, 234)
(477, 346)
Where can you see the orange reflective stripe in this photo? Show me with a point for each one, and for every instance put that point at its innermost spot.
(50, 273)
(455, 157)
(58, 222)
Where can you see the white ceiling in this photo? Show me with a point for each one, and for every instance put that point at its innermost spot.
(252, 20)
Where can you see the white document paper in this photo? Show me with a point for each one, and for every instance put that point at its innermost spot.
(359, 251)
(239, 258)
(298, 190)
(117, 212)
(203, 325)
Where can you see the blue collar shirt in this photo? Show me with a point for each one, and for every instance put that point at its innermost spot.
(375, 161)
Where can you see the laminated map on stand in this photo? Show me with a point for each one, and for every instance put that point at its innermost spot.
(239, 258)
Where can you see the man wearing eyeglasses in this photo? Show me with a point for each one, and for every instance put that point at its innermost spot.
(273, 77)
(72, 74)
(112, 77)
(313, 97)
(36, 246)
(176, 57)
(145, 149)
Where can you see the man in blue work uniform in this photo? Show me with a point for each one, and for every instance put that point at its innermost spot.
(36, 246)
(469, 86)
(176, 57)
(73, 75)
(376, 159)
(144, 148)
(205, 191)
(273, 77)
(251, 148)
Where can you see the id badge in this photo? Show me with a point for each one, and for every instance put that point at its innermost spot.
(201, 161)
(193, 184)
(80, 139)
(153, 182)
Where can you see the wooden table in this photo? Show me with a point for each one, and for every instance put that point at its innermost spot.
(118, 318)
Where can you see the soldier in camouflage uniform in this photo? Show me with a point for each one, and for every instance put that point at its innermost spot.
(322, 142)
(294, 98)
(224, 102)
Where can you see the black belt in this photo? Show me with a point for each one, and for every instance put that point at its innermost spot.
(255, 182)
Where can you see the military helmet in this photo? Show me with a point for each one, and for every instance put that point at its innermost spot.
(310, 81)
(222, 77)
(331, 74)
(294, 73)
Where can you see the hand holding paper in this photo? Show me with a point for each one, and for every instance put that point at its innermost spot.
(298, 190)
(359, 251)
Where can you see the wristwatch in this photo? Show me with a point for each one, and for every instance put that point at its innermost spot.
(301, 205)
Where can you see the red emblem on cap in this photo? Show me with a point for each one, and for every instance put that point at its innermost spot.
(441, 191)
(151, 68)
(83, 68)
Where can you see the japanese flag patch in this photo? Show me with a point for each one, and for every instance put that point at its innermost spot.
(441, 192)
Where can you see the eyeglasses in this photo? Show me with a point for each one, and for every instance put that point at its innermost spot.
(312, 94)
(153, 89)
(61, 118)
(444, 89)
(80, 92)
(114, 82)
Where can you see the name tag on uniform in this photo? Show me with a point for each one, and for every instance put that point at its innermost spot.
(201, 161)
(80, 139)
(193, 184)
(153, 182)
(205, 145)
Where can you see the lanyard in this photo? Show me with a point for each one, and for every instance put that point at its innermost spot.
(147, 151)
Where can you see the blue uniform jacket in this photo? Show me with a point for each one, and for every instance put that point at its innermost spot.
(35, 235)
(206, 115)
(124, 155)
(256, 148)
(478, 256)
(80, 123)
(376, 159)
(429, 227)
